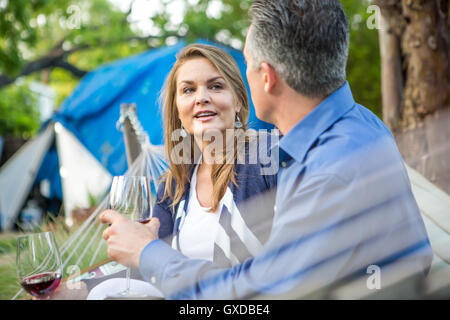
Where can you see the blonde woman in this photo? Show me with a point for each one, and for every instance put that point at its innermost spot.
(207, 204)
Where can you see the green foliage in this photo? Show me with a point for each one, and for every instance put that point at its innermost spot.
(63, 83)
(29, 29)
(19, 115)
(7, 245)
(229, 26)
(92, 58)
(32, 29)
(8, 275)
(8, 279)
(95, 200)
(19, 29)
(364, 62)
(15, 31)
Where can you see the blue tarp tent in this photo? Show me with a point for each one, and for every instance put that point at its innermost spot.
(93, 108)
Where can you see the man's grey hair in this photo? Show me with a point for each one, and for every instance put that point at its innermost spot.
(305, 41)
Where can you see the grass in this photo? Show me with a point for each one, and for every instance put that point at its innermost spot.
(8, 276)
(9, 285)
(8, 244)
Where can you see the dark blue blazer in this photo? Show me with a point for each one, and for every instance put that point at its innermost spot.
(254, 195)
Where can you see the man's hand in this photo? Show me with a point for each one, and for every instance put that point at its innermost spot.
(126, 239)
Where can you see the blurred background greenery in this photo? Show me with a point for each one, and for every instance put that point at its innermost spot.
(55, 42)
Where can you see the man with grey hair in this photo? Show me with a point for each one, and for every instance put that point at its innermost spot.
(344, 203)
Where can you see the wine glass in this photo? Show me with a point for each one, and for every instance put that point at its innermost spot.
(130, 196)
(38, 264)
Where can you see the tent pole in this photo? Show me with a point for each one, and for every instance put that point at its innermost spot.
(132, 145)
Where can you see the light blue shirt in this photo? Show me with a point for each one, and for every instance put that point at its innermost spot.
(343, 203)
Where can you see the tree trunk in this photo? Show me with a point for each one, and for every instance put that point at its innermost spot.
(415, 54)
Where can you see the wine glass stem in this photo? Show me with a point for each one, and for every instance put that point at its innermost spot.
(128, 279)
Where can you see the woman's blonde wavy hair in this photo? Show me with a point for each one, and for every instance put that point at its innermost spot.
(222, 173)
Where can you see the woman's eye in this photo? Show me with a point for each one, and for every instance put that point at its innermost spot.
(217, 86)
(188, 90)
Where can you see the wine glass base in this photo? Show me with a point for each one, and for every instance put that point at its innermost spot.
(127, 295)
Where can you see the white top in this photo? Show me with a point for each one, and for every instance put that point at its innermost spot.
(199, 229)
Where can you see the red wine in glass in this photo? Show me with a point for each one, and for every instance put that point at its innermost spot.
(38, 263)
(41, 285)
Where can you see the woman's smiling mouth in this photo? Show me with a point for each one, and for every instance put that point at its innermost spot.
(205, 115)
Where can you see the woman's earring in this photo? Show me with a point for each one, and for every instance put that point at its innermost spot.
(238, 123)
(183, 132)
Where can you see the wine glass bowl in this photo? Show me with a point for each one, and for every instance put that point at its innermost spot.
(38, 263)
(130, 196)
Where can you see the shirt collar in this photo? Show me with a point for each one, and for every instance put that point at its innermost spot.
(299, 139)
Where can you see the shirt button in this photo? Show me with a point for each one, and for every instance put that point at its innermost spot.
(153, 279)
(283, 164)
(274, 208)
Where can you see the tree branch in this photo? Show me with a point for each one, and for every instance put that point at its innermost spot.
(33, 66)
(71, 68)
(57, 58)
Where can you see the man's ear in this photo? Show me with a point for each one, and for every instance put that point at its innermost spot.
(270, 77)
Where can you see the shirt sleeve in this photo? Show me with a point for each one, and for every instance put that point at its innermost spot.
(271, 272)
